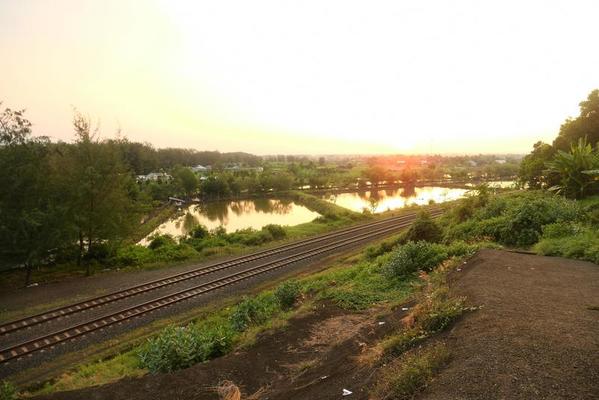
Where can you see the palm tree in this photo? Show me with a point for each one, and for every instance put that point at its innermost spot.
(578, 169)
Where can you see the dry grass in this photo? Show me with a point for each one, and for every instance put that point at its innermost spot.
(227, 390)
(410, 374)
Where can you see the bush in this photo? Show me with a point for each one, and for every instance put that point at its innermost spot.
(7, 391)
(178, 252)
(159, 241)
(373, 252)
(199, 232)
(571, 241)
(276, 231)
(414, 256)
(100, 252)
(287, 294)
(133, 255)
(252, 311)
(516, 220)
(424, 228)
(182, 347)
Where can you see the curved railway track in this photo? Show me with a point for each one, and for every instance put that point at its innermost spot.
(362, 233)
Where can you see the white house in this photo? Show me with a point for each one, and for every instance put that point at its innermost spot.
(200, 168)
(155, 176)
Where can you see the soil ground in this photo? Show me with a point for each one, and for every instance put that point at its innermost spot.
(536, 336)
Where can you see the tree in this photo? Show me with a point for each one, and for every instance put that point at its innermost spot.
(586, 125)
(95, 185)
(577, 169)
(31, 210)
(185, 180)
(532, 168)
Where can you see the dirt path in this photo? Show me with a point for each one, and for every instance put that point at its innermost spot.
(536, 336)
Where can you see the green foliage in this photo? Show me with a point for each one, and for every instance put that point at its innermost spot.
(532, 168)
(181, 347)
(7, 391)
(199, 232)
(174, 252)
(425, 229)
(288, 293)
(577, 170)
(133, 255)
(158, 241)
(565, 170)
(185, 180)
(253, 311)
(276, 231)
(570, 240)
(373, 252)
(415, 256)
(586, 125)
(516, 220)
(409, 375)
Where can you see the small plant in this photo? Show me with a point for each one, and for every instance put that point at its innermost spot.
(7, 391)
(159, 241)
(181, 347)
(408, 375)
(251, 311)
(276, 231)
(288, 293)
(199, 232)
(415, 256)
(424, 228)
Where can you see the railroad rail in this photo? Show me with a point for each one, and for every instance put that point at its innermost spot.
(52, 339)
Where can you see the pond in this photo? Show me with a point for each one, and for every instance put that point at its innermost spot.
(235, 215)
(389, 199)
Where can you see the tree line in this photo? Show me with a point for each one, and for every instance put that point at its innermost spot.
(570, 165)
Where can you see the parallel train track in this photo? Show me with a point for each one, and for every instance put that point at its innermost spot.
(361, 233)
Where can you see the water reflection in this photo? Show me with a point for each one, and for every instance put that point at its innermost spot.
(383, 200)
(234, 215)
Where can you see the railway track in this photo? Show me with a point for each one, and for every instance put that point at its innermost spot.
(361, 233)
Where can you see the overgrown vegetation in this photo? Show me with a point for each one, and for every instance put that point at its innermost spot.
(408, 375)
(7, 391)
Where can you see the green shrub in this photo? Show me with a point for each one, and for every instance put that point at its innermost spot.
(559, 230)
(405, 377)
(181, 347)
(373, 252)
(199, 232)
(100, 252)
(288, 293)
(133, 255)
(252, 311)
(414, 256)
(524, 222)
(161, 241)
(276, 231)
(571, 241)
(7, 391)
(424, 228)
(177, 252)
(515, 221)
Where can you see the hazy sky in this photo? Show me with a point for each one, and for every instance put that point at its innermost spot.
(303, 77)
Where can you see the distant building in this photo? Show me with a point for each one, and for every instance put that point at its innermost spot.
(239, 168)
(500, 161)
(154, 176)
(200, 168)
(472, 163)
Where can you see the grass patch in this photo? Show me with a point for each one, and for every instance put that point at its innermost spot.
(434, 312)
(408, 375)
